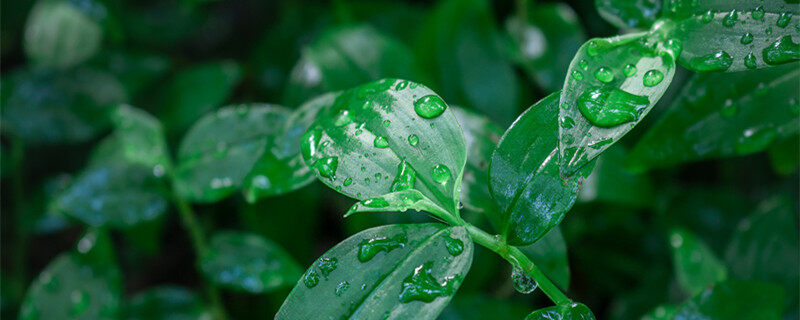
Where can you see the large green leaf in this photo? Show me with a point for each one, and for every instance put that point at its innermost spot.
(479, 307)
(612, 84)
(481, 136)
(388, 135)
(696, 266)
(611, 182)
(550, 255)
(138, 138)
(628, 14)
(394, 271)
(220, 150)
(734, 35)
(43, 106)
(346, 57)
(545, 43)
(248, 262)
(58, 34)
(165, 303)
(525, 179)
(720, 115)
(573, 311)
(734, 300)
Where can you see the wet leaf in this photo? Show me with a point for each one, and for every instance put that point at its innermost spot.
(388, 135)
(735, 300)
(574, 311)
(611, 182)
(59, 34)
(612, 84)
(248, 262)
(722, 115)
(629, 14)
(525, 179)
(696, 266)
(735, 35)
(138, 138)
(395, 271)
(165, 303)
(550, 255)
(481, 136)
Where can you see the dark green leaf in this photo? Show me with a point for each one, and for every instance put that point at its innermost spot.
(696, 266)
(220, 150)
(481, 136)
(629, 14)
(574, 311)
(784, 154)
(344, 58)
(612, 84)
(721, 115)
(662, 312)
(611, 182)
(137, 71)
(165, 303)
(397, 271)
(738, 300)
(138, 139)
(734, 35)
(248, 262)
(525, 179)
(373, 142)
(479, 307)
(550, 255)
(58, 34)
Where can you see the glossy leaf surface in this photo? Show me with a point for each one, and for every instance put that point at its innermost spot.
(481, 136)
(734, 300)
(388, 135)
(248, 262)
(525, 179)
(393, 272)
(722, 115)
(574, 311)
(58, 34)
(165, 303)
(696, 266)
(138, 139)
(629, 14)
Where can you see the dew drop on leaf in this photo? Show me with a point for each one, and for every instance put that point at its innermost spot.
(781, 51)
(413, 140)
(406, 176)
(729, 109)
(567, 123)
(371, 247)
(440, 173)
(341, 288)
(758, 13)
(629, 70)
(380, 142)
(609, 106)
(422, 286)
(347, 182)
(729, 20)
(327, 265)
(755, 139)
(652, 78)
(523, 283)
(783, 19)
(387, 122)
(454, 246)
(311, 279)
(430, 106)
(707, 16)
(327, 166)
(718, 61)
(747, 38)
(577, 75)
(750, 61)
(376, 203)
(604, 74)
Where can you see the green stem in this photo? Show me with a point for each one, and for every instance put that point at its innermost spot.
(517, 258)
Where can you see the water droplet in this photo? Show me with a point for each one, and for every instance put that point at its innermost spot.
(347, 182)
(755, 139)
(707, 16)
(376, 203)
(652, 78)
(577, 75)
(371, 247)
(783, 19)
(80, 302)
(747, 38)
(592, 48)
(401, 85)
(380, 142)
(629, 70)
(413, 140)
(781, 51)
(604, 74)
(341, 288)
(728, 109)
(729, 20)
(422, 286)
(386, 123)
(311, 278)
(430, 106)
(523, 283)
(750, 61)
(327, 166)
(406, 176)
(454, 246)
(718, 61)
(758, 13)
(583, 64)
(327, 265)
(567, 123)
(440, 173)
(343, 119)
(609, 106)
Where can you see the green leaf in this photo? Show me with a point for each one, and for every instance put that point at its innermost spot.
(722, 115)
(525, 179)
(220, 150)
(459, 45)
(479, 307)
(550, 255)
(545, 43)
(734, 35)
(346, 57)
(388, 135)
(481, 136)
(629, 14)
(696, 266)
(612, 84)
(138, 139)
(396, 271)
(196, 91)
(46, 107)
(739, 300)
(662, 312)
(574, 311)
(611, 182)
(165, 303)
(137, 71)
(248, 262)
(399, 201)
(58, 34)
(784, 154)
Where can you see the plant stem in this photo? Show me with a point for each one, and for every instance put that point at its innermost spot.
(189, 220)
(518, 259)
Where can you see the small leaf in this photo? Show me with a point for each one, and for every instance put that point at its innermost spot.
(525, 179)
(574, 311)
(165, 303)
(696, 266)
(400, 271)
(58, 34)
(629, 14)
(220, 150)
(734, 35)
(481, 136)
(138, 138)
(612, 84)
(735, 300)
(550, 255)
(722, 115)
(385, 136)
(611, 182)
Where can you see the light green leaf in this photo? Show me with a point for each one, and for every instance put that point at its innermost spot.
(346, 57)
(58, 34)
(784, 154)
(545, 43)
(722, 115)
(740, 300)
(165, 303)
(481, 136)
(611, 182)
(550, 255)
(248, 262)
(734, 35)
(480, 307)
(612, 84)
(574, 311)
(629, 14)
(388, 135)
(525, 179)
(394, 271)
(138, 139)
(399, 201)
(696, 266)
(220, 150)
